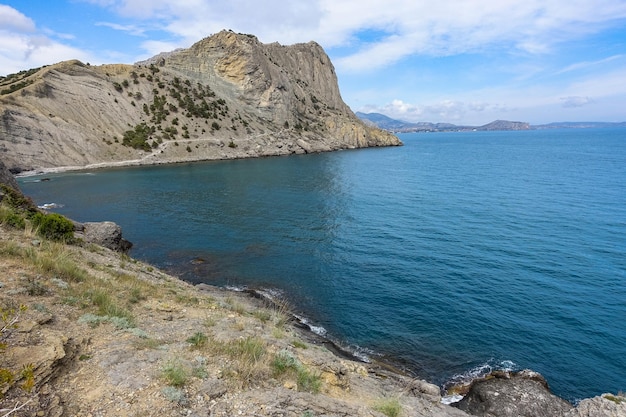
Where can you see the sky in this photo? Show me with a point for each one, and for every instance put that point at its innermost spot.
(466, 62)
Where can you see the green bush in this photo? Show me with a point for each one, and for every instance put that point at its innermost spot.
(9, 217)
(54, 226)
(138, 137)
(17, 200)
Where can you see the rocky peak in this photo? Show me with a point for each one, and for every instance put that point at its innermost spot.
(281, 81)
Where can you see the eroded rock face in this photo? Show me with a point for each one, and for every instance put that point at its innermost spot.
(247, 99)
(521, 394)
(107, 234)
(6, 177)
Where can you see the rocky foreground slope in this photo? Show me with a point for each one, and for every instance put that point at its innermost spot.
(228, 96)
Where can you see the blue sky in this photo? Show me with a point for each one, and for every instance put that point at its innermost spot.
(457, 61)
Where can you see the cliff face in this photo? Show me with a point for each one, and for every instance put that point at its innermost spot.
(228, 96)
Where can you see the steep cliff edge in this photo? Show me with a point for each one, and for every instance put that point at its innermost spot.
(227, 96)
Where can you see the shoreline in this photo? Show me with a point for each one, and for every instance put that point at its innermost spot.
(186, 309)
(104, 166)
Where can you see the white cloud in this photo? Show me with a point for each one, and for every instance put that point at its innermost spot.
(153, 48)
(588, 64)
(131, 29)
(12, 20)
(411, 27)
(447, 110)
(575, 101)
(22, 46)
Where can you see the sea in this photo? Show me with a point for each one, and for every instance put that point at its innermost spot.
(451, 256)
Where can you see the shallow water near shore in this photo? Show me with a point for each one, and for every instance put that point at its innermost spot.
(452, 255)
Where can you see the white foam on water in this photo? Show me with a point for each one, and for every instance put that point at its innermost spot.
(451, 399)
(271, 294)
(48, 206)
(473, 374)
(235, 288)
(318, 330)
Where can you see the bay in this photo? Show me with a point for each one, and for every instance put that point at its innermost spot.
(452, 255)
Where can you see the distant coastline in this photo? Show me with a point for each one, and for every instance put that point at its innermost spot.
(399, 126)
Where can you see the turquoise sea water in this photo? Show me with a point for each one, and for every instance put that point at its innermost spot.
(456, 253)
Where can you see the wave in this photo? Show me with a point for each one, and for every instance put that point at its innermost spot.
(456, 387)
(49, 206)
(277, 298)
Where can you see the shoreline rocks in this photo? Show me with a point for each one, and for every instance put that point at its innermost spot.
(106, 234)
(526, 394)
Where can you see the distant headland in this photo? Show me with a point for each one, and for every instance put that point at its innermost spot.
(398, 126)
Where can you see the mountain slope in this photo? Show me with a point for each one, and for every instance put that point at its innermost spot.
(228, 96)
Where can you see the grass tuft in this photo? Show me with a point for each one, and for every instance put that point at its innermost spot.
(389, 406)
(285, 363)
(175, 374)
(198, 340)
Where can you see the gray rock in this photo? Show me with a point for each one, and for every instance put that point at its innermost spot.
(607, 405)
(520, 394)
(213, 388)
(7, 178)
(107, 234)
(422, 388)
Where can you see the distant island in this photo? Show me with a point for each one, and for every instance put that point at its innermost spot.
(398, 126)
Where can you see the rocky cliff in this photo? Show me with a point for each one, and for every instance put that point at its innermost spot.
(228, 96)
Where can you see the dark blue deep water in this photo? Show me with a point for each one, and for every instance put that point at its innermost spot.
(453, 254)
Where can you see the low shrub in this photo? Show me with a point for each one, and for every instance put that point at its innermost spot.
(17, 201)
(175, 374)
(54, 226)
(9, 217)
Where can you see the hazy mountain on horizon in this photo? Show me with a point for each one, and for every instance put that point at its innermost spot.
(385, 122)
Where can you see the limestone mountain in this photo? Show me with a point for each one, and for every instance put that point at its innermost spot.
(227, 96)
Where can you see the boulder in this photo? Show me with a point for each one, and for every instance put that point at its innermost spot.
(518, 394)
(107, 234)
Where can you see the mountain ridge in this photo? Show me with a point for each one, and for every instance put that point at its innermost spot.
(384, 122)
(227, 96)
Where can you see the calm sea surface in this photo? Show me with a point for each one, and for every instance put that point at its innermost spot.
(457, 253)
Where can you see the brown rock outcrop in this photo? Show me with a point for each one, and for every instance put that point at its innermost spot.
(504, 394)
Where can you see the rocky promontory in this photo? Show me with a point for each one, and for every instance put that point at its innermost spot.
(228, 96)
